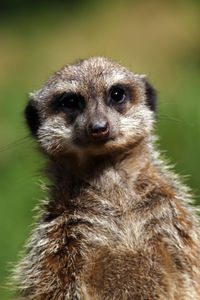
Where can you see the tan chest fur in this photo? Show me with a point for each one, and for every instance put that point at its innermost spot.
(122, 237)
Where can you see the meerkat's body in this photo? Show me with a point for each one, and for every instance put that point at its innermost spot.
(117, 224)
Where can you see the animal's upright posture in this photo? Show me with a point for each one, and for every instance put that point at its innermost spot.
(117, 224)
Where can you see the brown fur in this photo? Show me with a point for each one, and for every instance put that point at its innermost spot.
(117, 223)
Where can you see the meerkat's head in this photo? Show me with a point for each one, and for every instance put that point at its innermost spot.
(94, 106)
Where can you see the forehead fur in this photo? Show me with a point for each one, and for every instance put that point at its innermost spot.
(94, 73)
(93, 69)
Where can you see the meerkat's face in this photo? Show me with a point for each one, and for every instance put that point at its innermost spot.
(94, 106)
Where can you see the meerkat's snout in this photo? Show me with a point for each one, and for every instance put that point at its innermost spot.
(99, 130)
(98, 127)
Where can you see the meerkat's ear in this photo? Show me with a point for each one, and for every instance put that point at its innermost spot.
(151, 96)
(32, 117)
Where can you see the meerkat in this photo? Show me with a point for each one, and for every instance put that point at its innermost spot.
(117, 223)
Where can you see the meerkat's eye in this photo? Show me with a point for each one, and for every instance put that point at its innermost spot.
(118, 95)
(69, 102)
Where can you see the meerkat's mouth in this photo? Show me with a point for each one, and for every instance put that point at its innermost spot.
(94, 141)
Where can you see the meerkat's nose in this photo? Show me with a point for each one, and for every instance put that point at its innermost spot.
(98, 130)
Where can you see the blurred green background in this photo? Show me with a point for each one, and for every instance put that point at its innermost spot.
(160, 38)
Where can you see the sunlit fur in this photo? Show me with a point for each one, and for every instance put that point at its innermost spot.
(117, 223)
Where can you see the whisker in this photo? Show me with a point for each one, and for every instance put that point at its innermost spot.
(170, 118)
(14, 143)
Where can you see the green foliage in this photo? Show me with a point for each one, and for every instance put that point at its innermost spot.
(156, 37)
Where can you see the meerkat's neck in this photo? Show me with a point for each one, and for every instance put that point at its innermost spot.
(103, 174)
(92, 167)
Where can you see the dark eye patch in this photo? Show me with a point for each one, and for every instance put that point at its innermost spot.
(68, 103)
(117, 97)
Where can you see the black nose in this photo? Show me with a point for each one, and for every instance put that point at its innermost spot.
(99, 130)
